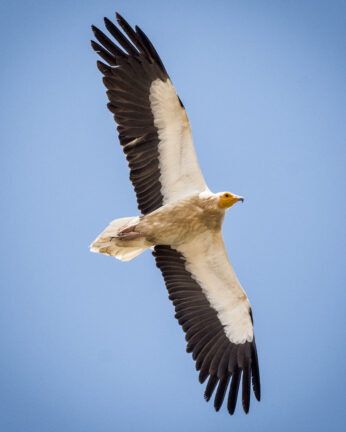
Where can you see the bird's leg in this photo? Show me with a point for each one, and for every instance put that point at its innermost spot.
(128, 233)
(129, 229)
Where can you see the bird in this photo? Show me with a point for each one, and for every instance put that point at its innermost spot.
(181, 219)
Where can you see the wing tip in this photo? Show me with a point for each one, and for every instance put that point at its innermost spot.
(118, 17)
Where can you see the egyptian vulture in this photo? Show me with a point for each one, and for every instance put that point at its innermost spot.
(181, 218)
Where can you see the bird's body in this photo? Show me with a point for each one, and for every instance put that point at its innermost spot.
(181, 218)
(182, 221)
(172, 224)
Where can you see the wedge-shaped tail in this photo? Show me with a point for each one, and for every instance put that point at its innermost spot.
(123, 247)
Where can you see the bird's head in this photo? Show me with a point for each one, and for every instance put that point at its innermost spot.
(227, 199)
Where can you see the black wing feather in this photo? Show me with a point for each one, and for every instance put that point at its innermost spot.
(216, 357)
(132, 64)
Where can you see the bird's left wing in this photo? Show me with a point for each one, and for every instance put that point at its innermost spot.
(152, 123)
(215, 313)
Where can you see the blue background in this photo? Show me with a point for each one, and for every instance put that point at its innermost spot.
(91, 344)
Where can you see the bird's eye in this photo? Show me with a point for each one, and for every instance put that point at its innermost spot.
(226, 195)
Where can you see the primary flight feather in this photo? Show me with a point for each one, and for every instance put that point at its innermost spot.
(181, 218)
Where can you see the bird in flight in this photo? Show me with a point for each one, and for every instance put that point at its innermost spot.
(181, 218)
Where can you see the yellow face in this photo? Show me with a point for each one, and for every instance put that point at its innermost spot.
(227, 199)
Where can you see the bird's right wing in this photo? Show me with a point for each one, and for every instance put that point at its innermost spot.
(152, 123)
(215, 313)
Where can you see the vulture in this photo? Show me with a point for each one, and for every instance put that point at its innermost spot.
(180, 219)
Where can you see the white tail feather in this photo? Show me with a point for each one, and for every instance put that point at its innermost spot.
(124, 250)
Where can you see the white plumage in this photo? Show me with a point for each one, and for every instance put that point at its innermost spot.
(180, 172)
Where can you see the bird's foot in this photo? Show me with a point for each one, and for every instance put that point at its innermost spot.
(128, 233)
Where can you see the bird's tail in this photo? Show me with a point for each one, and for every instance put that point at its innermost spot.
(120, 240)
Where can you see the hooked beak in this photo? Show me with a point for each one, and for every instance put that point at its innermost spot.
(237, 198)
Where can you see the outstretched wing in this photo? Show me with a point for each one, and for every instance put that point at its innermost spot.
(215, 313)
(152, 123)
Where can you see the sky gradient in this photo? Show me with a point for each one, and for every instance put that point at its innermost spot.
(90, 343)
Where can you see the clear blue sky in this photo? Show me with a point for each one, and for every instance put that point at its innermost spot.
(91, 344)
